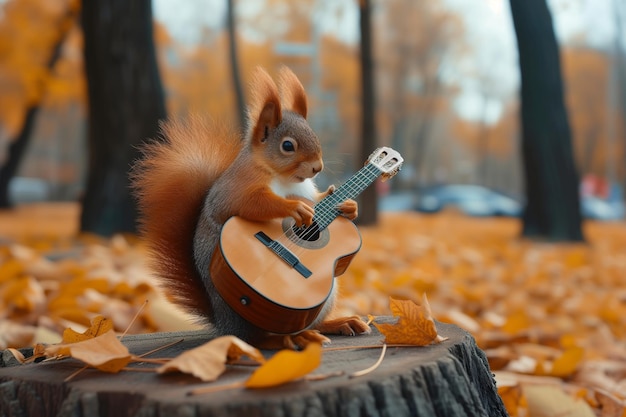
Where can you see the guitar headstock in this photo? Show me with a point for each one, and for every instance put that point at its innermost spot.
(387, 160)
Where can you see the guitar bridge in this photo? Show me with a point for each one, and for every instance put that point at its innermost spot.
(283, 253)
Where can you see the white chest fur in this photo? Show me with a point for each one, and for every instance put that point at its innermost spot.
(306, 188)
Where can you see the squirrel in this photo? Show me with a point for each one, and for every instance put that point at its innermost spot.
(202, 172)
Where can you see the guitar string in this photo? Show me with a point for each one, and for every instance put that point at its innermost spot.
(327, 210)
(325, 213)
(353, 187)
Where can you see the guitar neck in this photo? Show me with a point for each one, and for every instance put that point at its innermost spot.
(326, 210)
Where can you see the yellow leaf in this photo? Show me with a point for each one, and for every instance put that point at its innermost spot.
(516, 323)
(208, 361)
(99, 326)
(10, 270)
(286, 366)
(104, 352)
(415, 325)
(567, 363)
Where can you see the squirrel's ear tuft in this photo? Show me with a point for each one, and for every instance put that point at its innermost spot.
(292, 92)
(265, 111)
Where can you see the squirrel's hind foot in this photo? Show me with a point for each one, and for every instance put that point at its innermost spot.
(293, 341)
(347, 326)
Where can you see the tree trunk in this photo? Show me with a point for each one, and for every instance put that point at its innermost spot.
(450, 379)
(552, 199)
(126, 102)
(368, 209)
(234, 64)
(20, 143)
(15, 153)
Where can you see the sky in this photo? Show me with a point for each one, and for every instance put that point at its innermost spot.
(489, 35)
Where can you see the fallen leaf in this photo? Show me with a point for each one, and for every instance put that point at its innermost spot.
(104, 352)
(208, 361)
(286, 366)
(566, 364)
(415, 325)
(99, 326)
(17, 355)
(550, 401)
(611, 405)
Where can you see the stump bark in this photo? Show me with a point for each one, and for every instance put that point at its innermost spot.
(448, 379)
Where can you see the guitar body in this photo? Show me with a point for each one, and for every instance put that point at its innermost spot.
(264, 288)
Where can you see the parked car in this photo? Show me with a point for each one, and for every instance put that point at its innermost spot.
(597, 208)
(473, 200)
(398, 201)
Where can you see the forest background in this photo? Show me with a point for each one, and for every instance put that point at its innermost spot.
(446, 84)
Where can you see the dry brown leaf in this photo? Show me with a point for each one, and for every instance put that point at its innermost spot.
(611, 406)
(104, 352)
(208, 361)
(415, 325)
(17, 355)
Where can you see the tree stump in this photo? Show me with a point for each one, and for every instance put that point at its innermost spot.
(448, 379)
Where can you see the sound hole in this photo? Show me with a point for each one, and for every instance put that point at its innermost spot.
(309, 233)
(310, 237)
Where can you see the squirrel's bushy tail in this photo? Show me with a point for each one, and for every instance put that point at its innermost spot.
(170, 183)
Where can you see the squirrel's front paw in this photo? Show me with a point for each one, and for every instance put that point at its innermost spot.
(331, 189)
(349, 209)
(302, 213)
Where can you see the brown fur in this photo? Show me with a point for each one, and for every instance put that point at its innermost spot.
(171, 182)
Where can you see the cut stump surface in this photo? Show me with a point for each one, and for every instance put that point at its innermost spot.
(448, 379)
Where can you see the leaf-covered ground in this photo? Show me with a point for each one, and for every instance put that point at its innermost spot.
(551, 317)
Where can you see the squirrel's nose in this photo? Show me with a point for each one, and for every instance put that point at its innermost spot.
(317, 166)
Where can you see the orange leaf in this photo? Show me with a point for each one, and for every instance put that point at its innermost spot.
(567, 363)
(286, 366)
(415, 325)
(208, 361)
(99, 326)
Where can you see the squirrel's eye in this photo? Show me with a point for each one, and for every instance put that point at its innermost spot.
(288, 146)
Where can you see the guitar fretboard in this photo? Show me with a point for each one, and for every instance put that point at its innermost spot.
(327, 209)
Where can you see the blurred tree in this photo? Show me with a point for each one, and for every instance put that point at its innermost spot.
(41, 30)
(418, 37)
(585, 71)
(126, 103)
(368, 209)
(552, 199)
(234, 63)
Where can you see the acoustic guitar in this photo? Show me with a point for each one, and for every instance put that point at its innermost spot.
(277, 275)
